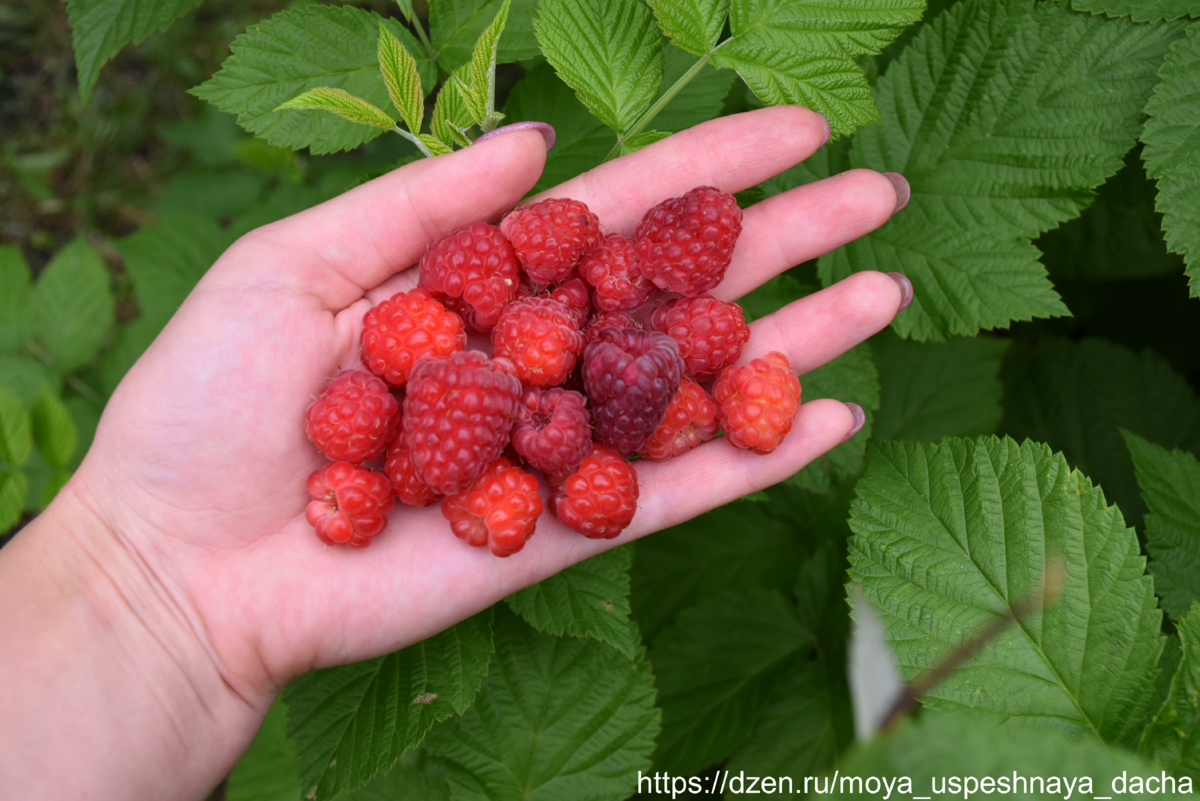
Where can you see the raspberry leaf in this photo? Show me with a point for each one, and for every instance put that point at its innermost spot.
(1172, 153)
(352, 722)
(1140, 10)
(15, 281)
(556, 718)
(54, 431)
(100, 28)
(14, 491)
(434, 146)
(608, 51)
(456, 25)
(1170, 484)
(588, 599)
(341, 103)
(692, 25)
(949, 535)
(73, 306)
(700, 99)
(269, 770)
(638, 141)
(1056, 101)
(16, 430)
(451, 118)
(406, 9)
(1170, 740)
(480, 94)
(403, 81)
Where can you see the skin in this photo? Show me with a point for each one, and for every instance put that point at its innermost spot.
(150, 615)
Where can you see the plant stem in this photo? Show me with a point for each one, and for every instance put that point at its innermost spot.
(416, 22)
(38, 352)
(658, 106)
(412, 137)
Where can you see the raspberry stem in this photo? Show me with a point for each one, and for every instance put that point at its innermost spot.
(658, 106)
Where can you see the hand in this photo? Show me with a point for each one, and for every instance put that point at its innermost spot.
(195, 484)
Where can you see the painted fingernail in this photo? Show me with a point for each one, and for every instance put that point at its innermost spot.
(903, 190)
(906, 289)
(544, 128)
(860, 417)
(828, 130)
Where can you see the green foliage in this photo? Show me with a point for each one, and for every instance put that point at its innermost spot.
(72, 306)
(479, 94)
(341, 103)
(693, 25)
(54, 431)
(1140, 10)
(456, 25)
(1167, 742)
(269, 770)
(701, 99)
(948, 536)
(399, 71)
(15, 293)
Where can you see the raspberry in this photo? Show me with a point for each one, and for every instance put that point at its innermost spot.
(690, 419)
(573, 293)
(541, 338)
(354, 418)
(457, 415)
(599, 499)
(477, 264)
(630, 376)
(350, 504)
(499, 510)
(551, 236)
(405, 327)
(684, 244)
(403, 476)
(553, 431)
(612, 269)
(607, 319)
(757, 402)
(710, 333)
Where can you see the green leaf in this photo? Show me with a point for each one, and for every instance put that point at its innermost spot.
(1168, 742)
(795, 52)
(608, 51)
(451, 118)
(16, 429)
(636, 142)
(413, 779)
(14, 490)
(352, 722)
(269, 770)
(54, 431)
(25, 376)
(85, 415)
(701, 99)
(403, 81)
(851, 378)
(1172, 153)
(15, 279)
(1076, 396)
(73, 307)
(100, 28)
(215, 194)
(588, 599)
(950, 535)
(406, 9)
(930, 390)
(556, 718)
(1003, 115)
(300, 49)
(772, 296)
(1170, 483)
(692, 25)
(1140, 10)
(716, 670)
(455, 27)
(482, 92)
(436, 146)
(341, 103)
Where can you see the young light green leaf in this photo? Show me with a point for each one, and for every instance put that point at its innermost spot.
(483, 70)
(341, 103)
(950, 535)
(1170, 483)
(1172, 151)
(930, 390)
(455, 27)
(54, 431)
(608, 51)
(270, 769)
(304, 48)
(716, 669)
(1170, 741)
(451, 118)
(556, 718)
(435, 146)
(1140, 10)
(693, 25)
(1057, 101)
(16, 429)
(638, 141)
(352, 722)
(403, 81)
(801, 53)
(73, 306)
(100, 28)
(15, 280)
(588, 599)
(14, 491)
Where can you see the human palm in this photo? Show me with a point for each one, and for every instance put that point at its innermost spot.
(200, 463)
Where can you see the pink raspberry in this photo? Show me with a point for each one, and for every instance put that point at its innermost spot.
(350, 504)
(540, 337)
(551, 236)
(477, 264)
(499, 510)
(410, 489)
(600, 498)
(690, 420)
(613, 270)
(573, 293)
(630, 376)
(710, 333)
(553, 431)
(354, 418)
(405, 327)
(685, 244)
(757, 402)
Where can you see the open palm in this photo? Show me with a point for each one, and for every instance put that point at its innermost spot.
(200, 462)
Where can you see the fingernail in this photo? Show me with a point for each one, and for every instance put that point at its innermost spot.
(860, 417)
(906, 289)
(828, 130)
(903, 190)
(544, 128)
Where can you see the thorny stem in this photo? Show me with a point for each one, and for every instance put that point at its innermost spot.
(658, 106)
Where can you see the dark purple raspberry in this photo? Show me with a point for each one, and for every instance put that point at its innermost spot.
(631, 376)
(553, 431)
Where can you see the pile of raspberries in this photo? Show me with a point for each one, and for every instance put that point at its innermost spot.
(601, 346)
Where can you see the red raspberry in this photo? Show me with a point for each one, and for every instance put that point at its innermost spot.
(406, 485)
(405, 327)
(607, 319)
(684, 244)
(457, 415)
(599, 499)
(540, 336)
(757, 402)
(710, 333)
(553, 431)
(551, 236)
(573, 293)
(350, 504)
(690, 419)
(354, 419)
(477, 264)
(630, 376)
(613, 270)
(499, 510)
